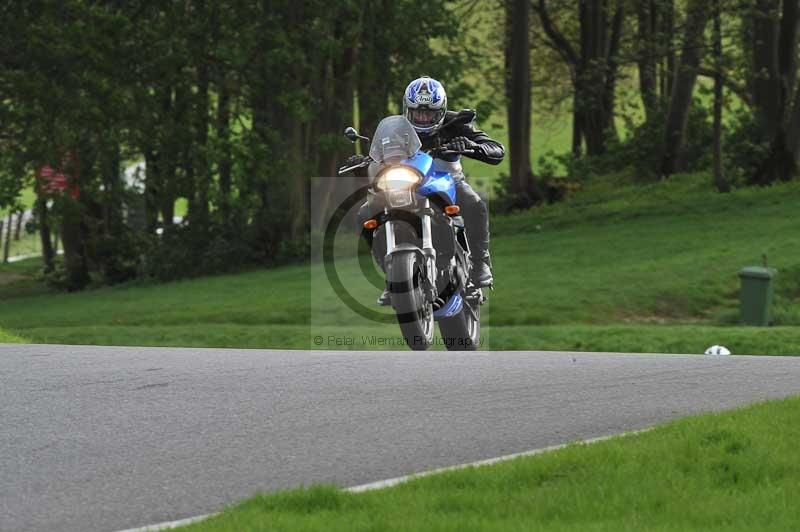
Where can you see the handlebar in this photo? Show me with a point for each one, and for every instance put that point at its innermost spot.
(345, 169)
(435, 152)
(447, 153)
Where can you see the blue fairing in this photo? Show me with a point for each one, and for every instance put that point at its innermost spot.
(441, 183)
(453, 307)
(435, 182)
(421, 162)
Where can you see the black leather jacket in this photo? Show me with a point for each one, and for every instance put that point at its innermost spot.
(462, 124)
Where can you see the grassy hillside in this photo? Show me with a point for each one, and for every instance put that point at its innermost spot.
(619, 267)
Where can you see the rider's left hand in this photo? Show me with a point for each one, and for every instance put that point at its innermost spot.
(461, 145)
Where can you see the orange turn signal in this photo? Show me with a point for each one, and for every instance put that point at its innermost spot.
(371, 224)
(452, 210)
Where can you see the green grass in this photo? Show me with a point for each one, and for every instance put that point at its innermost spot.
(735, 471)
(619, 267)
(8, 338)
(597, 338)
(661, 252)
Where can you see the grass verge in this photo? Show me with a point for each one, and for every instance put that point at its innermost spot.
(687, 339)
(737, 470)
(8, 338)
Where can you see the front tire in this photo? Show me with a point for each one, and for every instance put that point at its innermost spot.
(462, 332)
(414, 314)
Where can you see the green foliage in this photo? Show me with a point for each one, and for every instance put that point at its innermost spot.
(744, 152)
(641, 149)
(231, 106)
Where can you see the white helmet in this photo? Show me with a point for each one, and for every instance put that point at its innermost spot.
(425, 104)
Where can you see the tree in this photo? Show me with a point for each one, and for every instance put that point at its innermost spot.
(655, 54)
(671, 160)
(524, 188)
(719, 175)
(232, 106)
(593, 69)
(777, 111)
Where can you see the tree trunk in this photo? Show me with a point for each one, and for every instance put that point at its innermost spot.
(683, 88)
(373, 84)
(765, 79)
(151, 190)
(112, 201)
(597, 70)
(647, 32)
(612, 65)
(223, 136)
(666, 25)
(18, 228)
(577, 129)
(782, 161)
(198, 173)
(48, 254)
(719, 174)
(590, 100)
(7, 242)
(77, 270)
(2, 226)
(518, 89)
(575, 62)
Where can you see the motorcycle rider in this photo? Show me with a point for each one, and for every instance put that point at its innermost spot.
(425, 107)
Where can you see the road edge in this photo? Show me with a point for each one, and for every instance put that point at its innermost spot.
(390, 482)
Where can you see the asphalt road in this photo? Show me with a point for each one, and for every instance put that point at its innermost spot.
(99, 438)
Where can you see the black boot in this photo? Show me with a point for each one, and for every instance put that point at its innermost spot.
(476, 220)
(481, 274)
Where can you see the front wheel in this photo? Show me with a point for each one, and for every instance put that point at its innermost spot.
(414, 314)
(462, 332)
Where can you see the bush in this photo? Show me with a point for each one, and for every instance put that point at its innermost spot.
(743, 151)
(187, 251)
(642, 149)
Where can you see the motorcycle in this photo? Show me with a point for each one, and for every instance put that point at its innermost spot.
(419, 239)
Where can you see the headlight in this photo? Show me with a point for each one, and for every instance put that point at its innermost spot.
(398, 178)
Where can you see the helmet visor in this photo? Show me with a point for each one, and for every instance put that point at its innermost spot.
(425, 117)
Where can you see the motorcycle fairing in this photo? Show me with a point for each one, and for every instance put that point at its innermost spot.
(434, 182)
(440, 183)
(420, 161)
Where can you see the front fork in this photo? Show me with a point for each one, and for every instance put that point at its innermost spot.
(428, 251)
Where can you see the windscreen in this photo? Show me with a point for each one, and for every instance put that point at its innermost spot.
(395, 138)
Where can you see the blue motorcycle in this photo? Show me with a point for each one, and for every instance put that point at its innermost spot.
(418, 238)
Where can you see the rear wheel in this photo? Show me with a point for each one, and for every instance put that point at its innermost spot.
(462, 332)
(414, 313)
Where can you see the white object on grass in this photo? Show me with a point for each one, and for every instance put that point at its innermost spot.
(718, 350)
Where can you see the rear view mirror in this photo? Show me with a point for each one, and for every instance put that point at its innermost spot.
(352, 135)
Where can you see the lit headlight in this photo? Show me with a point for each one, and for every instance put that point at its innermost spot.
(398, 178)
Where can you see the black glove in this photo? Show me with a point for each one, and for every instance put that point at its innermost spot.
(461, 145)
(355, 160)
